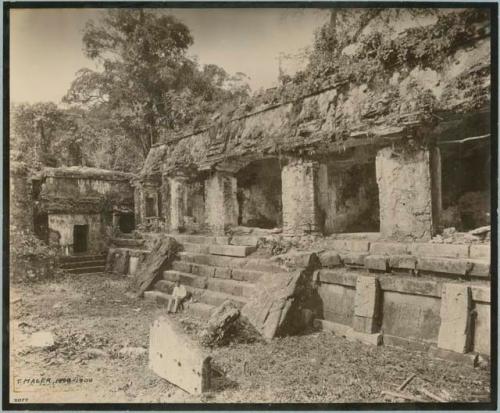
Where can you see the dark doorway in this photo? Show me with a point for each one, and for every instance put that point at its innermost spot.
(126, 222)
(259, 194)
(150, 207)
(41, 225)
(80, 238)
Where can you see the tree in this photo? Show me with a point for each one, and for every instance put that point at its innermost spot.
(146, 84)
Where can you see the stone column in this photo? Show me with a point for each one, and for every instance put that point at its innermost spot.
(221, 204)
(408, 186)
(138, 204)
(300, 181)
(178, 201)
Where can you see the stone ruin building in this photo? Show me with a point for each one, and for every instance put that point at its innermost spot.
(383, 185)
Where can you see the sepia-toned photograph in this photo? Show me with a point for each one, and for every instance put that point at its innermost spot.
(240, 204)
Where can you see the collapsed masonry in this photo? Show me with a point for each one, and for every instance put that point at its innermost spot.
(365, 177)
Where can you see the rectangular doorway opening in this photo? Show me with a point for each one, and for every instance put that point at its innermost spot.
(80, 238)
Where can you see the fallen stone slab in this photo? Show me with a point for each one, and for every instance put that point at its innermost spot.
(271, 307)
(177, 358)
(161, 256)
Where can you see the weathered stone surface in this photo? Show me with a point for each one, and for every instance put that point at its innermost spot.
(389, 248)
(181, 266)
(120, 263)
(455, 331)
(349, 333)
(336, 303)
(133, 263)
(422, 249)
(219, 324)
(177, 358)
(482, 328)
(298, 259)
(272, 302)
(336, 277)
(223, 272)
(349, 245)
(469, 359)
(406, 262)
(162, 254)
(444, 265)
(481, 293)
(377, 262)
(407, 285)
(354, 259)
(231, 250)
(203, 270)
(246, 275)
(196, 248)
(299, 197)
(366, 304)
(221, 204)
(329, 259)
(479, 268)
(405, 184)
(247, 240)
(480, 251)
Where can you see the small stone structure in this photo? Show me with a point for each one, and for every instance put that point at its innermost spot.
(78, 209)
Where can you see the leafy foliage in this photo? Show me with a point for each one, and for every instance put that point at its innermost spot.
(147, 84)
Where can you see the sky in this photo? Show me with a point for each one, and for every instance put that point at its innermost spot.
(46, 45)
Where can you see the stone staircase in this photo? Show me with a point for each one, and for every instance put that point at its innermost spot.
(213, 273)
(83, 264)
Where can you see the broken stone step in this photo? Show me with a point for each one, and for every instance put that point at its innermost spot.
(185, 279)
(231, 250)
(80, 258)
(86, 270)
(210, 297)
(252, 264)
(197, 248)
(218, 272)
(79, 264)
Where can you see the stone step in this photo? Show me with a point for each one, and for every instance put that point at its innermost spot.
(200, 239)
(197, 248)
(231, 250)
(233, 287)
(86, 270)
(80, 258)
(79, 264)
(128, 242)
(209, 297)
(252, 264)
(218, 272)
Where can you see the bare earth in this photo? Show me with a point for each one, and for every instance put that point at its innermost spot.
(94, 317)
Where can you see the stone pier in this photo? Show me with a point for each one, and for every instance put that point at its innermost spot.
(300, 180)
(221, 204)
(178, 201)
(408, 181)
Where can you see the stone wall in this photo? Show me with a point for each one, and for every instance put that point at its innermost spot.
(421, 295)
(61, 228)
(21, 201)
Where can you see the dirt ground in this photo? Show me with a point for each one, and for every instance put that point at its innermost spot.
(100, 356)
